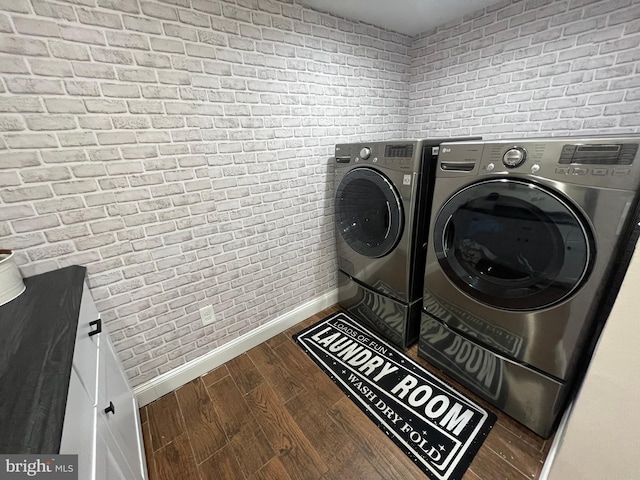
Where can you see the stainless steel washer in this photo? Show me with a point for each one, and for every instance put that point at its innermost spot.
(522, 241)
(382, 190)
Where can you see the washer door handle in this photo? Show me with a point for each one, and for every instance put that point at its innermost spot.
(386, 235)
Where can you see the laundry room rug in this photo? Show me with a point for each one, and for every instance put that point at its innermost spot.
(440, 429)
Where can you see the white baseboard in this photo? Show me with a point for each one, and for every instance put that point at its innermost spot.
(167, 382)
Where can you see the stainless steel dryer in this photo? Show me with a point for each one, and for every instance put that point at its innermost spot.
(382, 190)
(522, 241)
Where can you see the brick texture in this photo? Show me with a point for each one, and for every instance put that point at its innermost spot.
(529, 68)
(180, 150)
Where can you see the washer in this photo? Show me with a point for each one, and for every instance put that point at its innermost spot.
(382, 190)
(524, 234)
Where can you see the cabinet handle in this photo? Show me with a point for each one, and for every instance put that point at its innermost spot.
(110, 409)
(98, 324)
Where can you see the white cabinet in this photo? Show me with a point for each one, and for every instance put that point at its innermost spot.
(121, 421)
(110, 463)
(80, 420)
(102, 424)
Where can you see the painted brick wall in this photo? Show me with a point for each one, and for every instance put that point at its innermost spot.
(179, 149)
(530, 68)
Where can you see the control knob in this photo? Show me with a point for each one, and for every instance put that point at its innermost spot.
(365, 153)
(514, 157)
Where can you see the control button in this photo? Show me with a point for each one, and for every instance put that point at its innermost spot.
(490, 167)
(514, 157)
(621, 172)
(365, 153)
(535, 168)
(600, 171)
(579, 171)
(375, 159)
(562, 170)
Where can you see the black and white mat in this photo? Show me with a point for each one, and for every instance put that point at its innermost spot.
(440, 429)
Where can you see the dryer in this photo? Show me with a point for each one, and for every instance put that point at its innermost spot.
(523, 238)
(382, 191)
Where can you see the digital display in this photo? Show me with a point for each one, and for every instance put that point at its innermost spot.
(398, 151)
(605, 154)
(595, 149)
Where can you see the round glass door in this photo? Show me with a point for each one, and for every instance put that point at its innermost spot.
(512, 244)
(369, 213)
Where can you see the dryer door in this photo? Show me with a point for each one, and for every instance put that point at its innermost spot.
(512, 244)
(369, 212)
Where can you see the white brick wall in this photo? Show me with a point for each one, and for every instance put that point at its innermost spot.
(179, 149)
(530, 68)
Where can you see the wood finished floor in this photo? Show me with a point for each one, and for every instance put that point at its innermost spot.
(271, 413)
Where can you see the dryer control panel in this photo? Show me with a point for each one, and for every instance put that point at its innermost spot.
(609, 162)
(599, 154)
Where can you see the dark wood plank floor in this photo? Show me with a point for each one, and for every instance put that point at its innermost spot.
(271, 413)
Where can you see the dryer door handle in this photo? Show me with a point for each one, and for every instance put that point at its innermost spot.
(447, 237)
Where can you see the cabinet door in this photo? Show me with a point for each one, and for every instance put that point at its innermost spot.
(122, 420)
(110, 464)
(79, 430)
(85, 357)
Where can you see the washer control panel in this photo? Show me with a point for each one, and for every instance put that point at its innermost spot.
(400, 155)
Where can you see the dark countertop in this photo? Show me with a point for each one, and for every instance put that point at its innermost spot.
(37, 338)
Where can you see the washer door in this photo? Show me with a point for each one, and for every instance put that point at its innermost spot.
(512, 245)
(369, 212)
